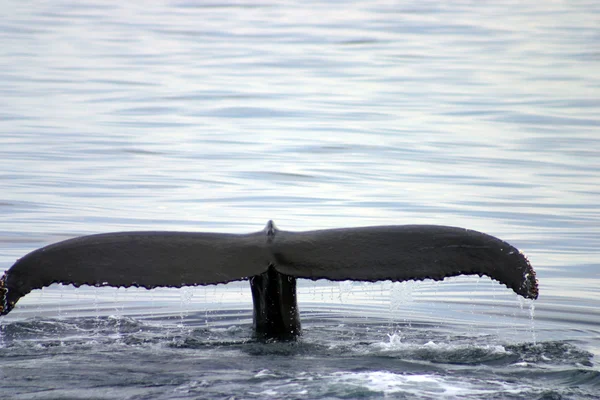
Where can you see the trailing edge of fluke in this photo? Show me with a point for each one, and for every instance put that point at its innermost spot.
(271, 260)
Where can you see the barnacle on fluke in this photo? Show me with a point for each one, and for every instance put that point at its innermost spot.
(6, 304)
(530, 282)
(3, 296)
(271, 260)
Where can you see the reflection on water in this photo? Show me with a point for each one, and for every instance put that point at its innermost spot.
(218, 117)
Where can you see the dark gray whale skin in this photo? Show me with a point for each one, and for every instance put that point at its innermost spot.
(271, 260)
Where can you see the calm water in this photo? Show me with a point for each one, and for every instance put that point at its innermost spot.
(217, 116)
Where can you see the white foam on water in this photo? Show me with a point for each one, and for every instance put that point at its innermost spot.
(264, 373)
(395, 343)
(424, 385)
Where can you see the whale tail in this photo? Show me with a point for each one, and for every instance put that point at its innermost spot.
(176, 259)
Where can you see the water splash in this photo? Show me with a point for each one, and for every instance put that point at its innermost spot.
(345, 289)
(186, 294)
(532, 319)
(2, 342)
(400, 294)
(61, 297)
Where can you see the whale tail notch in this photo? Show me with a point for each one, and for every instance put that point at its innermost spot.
(176, 259)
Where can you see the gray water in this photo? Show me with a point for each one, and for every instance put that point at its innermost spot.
(218, 116)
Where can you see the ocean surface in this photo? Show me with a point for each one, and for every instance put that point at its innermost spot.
(218, 116)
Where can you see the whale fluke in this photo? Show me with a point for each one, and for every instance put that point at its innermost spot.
(271, 260)
(401, 253)
(144, 259)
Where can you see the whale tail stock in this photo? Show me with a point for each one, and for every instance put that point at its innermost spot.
(270, 260)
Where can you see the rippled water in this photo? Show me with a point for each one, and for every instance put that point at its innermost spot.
(219, 116)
